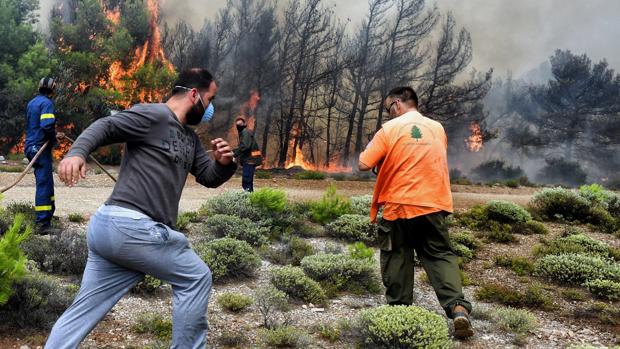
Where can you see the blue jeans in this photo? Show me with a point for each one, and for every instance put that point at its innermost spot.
(123, 245)
(247, 179)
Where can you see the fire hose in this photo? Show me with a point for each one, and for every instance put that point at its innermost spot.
(34, 159)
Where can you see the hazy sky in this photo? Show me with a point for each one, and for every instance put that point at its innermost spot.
(508, 35)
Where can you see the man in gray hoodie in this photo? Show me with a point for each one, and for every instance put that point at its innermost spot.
(133, 233)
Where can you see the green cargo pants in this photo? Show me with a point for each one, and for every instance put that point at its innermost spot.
(427, 237)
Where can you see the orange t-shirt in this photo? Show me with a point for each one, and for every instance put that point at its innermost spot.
(412, 153)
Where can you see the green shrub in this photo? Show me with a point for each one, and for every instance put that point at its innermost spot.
(262, 174)
(573, 295)
(12, 259)
(26, 209)
(353, 227)
(532, 297)
(496, 170)
(312, 175)
(286, 337)
(269, 200)
(234, 338)
(605, 289)
(520, 265)
(575, 269)
(577, 243)
(605, 313)
(361, 204)
(341, 272)
(155, 324)
(463, 251)
(329, 332)
(330, 207)
(148, 286)
(185, 218)
(63, 254)
(243, 229)
(297, 285)
(465, 239)
(558, 171)
(401, 327)
(232, 203)
(229, 258)
(530, 228)
(234, 302)
(507, 212)
(559, 203)
(498, 232)
(517, 321)
(292, 251)
(76, 218)
(12, 168)
(37, 302)
(359, 250)
(271, 303)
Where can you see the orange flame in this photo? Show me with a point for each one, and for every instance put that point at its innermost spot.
(475, 141)
(121, 79)
(61, 149)
(248, 112)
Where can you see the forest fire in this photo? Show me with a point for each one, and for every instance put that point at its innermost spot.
(58, 152)
(475, 141)
(248, 112)
(122, 79)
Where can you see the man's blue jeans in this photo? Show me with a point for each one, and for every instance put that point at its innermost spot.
(123, 245)
(247, 178)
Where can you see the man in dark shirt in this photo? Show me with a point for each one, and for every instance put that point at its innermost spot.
(247, 144)
(133, 234)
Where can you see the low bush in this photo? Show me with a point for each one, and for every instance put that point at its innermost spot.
(607, 314)
(37, 302)
(520, 265)
(297, 285)
(262, 174)
(63, 254)
(561, 204)
(463, 251)
(229, 258)
(466, 239)
(232, 203)
(401, 327)
(577, 243)
(507, 212)
(243, 229)
(234, 338)
(573, 295)
(361, 204)
(517, 321)
(530, 228)
(148, 286)
(155, 324)
(329, 332)
(330, 207)
(341, 272)
(269, 200)
(286, 337)
(234, 302)
(76, 218)
(359, 250)
(558, 171)
(271, 304)
(311, 175)
(185, 218)
(292, 250)
(353, 227)
(575, 269)
(498, 232)
(532, 297)
(26, 209)
(604, 289)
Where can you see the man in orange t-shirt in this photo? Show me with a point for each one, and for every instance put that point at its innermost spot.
(413, 187)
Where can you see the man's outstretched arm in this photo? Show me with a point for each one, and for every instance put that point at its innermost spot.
(213, 173)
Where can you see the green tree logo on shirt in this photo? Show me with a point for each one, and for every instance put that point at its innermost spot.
(416, 133)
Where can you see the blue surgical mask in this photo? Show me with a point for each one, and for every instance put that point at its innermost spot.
(208, 115)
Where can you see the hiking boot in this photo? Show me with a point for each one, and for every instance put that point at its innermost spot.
(462, 325)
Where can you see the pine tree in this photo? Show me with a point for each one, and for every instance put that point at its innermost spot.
(12, 258)
(416, 132)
